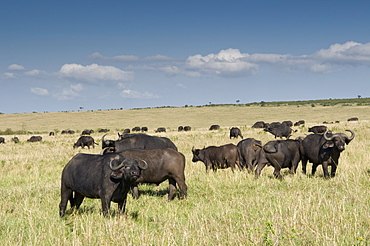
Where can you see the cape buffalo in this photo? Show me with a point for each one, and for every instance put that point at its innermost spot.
(280, 154)
(2, 140)
(84, 141)
(353, 119)
(163, 164)
(108, 177)
(160, 129)
(35, 139)
(235, 132)
(300, 122)
(15, 139)
(260, 124)
(318, 129)
(324, 149)
(138, 141)
(279, 130)
(214, 127)
(249, 151)
(180, 128)
(136, 129)
(218, 157)
(187, 128)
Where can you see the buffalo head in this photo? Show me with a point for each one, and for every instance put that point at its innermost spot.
(338, 140)
(126, 168)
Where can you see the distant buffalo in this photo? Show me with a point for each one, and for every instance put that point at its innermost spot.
(136, 129)
(51, 133)
(87, 132)
(259, 124)
(299, 123)
(103, 130)
(15, 139)
(214, 127)
(84, 141)
(2, 140)
(160, 129)
(187, 128)
(180, 128)
(318, 129)
(144, 129)
(353, 119)
(235, 133)
(35, 139)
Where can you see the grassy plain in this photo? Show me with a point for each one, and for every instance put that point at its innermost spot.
(222, 208)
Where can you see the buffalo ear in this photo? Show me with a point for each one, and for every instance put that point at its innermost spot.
(116, 175)
(328, 144)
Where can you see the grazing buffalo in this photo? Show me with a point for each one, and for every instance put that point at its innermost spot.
(260, 124)
(51, 133)
(138, 141)
(249, 151)
(324, 149)
(163, 164)
(353, 119)
(279, 130)
(87, 132)
(318, 129)
(214, 127)
(2, 140)
(280, 154)
(235, 133)
(218, 157)
(126, 131)
(299, 123)
(85, 141)
(144, 129)
(161, 129)
(187, 128)
(35, 139)
(180, 128)
(136, 129)
(15, 139)
(288, 123)
(108, 177)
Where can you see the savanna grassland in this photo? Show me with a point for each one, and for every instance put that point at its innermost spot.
(222, 208)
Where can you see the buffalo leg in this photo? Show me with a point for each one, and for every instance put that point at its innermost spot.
(66, 194)
(325, 169)
(172, 188)
(314, 167)
(304, 165)
(78, 199)
(259, 168)
(135, 191)
(183, 187)
(333, 170)
(122, 204)
(105, 203)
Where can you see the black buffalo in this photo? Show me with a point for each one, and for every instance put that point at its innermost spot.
(318, 129)
(161, 129)
(214, 127)
(280, 154)
(249, 151)
(235, 133)
(279, 130)
(138, 141)
(15, 139)
(144, 129)
(136, 129)
(299, 123)
(2, 140)
(103, 130)
(35, 139)
(51, 133)
(324, 149)
(84, 141)
(126, 131)
(180, 128)
(353, 119)
(87, 132)
(163, 164)
(187, 128)
(260, 124)
(108, 177)
(218, 157)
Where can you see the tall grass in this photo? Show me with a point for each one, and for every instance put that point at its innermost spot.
(223, 208)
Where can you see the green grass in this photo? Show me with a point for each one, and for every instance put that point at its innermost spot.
(223, 208)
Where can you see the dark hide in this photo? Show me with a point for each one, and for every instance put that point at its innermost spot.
(249, 151)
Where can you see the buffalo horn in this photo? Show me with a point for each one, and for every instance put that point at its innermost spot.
(327, 137)
(105, 150)
(352, 135)
(102, 138)
(143, 167)
(192, 149)
(117, 167)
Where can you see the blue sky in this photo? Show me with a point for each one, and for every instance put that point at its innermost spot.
(63, 55)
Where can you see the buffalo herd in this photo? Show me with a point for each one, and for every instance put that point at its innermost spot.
(137, 158)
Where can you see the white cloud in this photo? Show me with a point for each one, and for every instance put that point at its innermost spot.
(9, 75)
(228, 62)
(34, 72)
(94, 72)
(15, 67)
(137, 95)
(40, 91)
(69, 93)
(121, 58)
